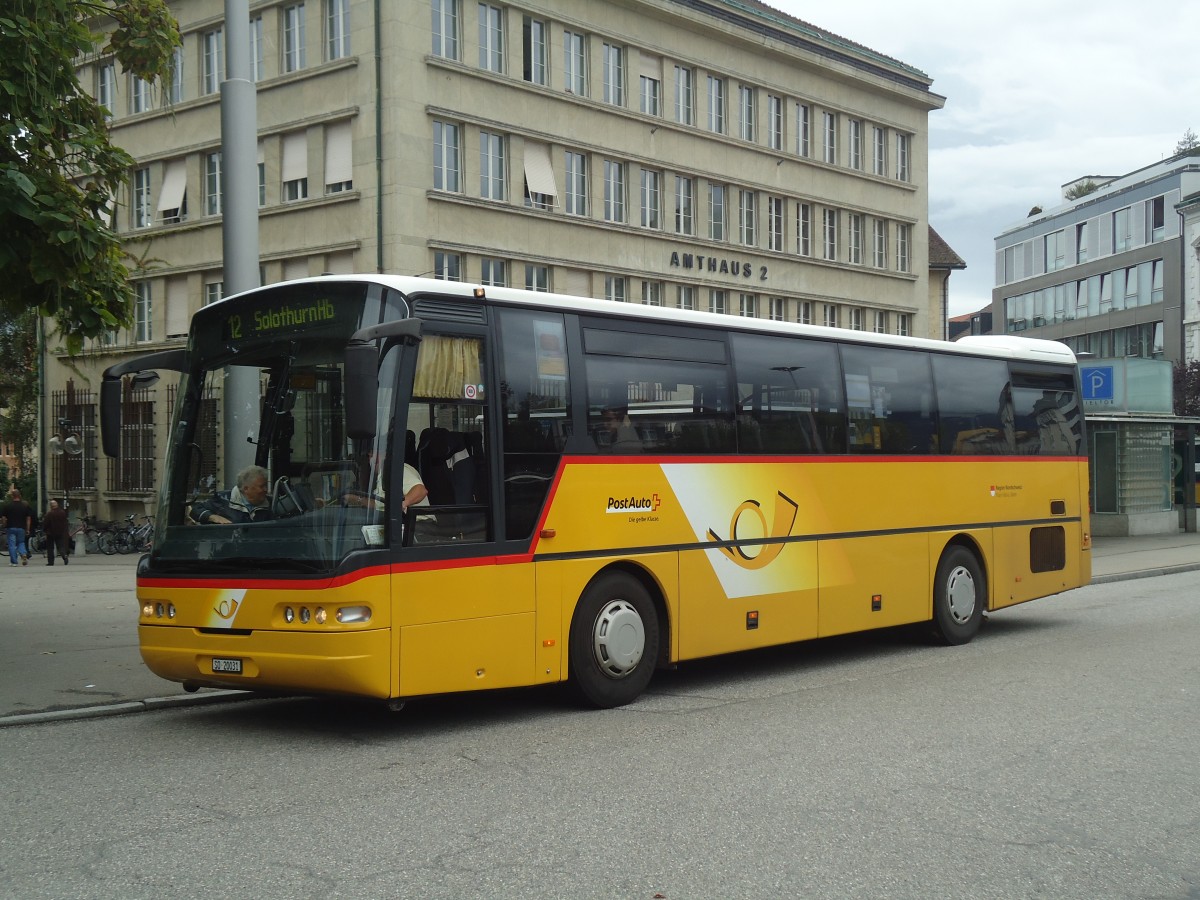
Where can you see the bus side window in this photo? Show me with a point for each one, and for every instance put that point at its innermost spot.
(890, 397)
(974, 405)
(1046, 415)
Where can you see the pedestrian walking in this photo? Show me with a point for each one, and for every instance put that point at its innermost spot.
(58, 533)
(18, 518)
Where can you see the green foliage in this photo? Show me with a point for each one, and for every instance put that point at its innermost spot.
(1189, 144)
(58, 169)
(1081, 190)
(1186, 378)
(19, 385)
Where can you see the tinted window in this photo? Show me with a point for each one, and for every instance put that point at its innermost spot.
(889, 397)
(789, 395)
(974, 405)
(1046, 416)
(640, 404)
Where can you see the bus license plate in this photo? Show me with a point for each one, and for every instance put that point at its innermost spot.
(227, 665)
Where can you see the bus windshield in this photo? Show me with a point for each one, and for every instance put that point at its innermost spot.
(261, 473)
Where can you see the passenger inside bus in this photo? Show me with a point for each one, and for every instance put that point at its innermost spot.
(248, 501)
(624, 437)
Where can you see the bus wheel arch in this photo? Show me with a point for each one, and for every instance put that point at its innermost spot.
(960, 593)
(616, 637)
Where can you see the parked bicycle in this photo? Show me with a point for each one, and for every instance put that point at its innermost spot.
(128, 538)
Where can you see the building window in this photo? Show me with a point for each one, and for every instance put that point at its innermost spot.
(904, 324)
(575, 63)
(614, 75)
(830, 315)
(447, 266)
(257, 64)
(212, 184)
(1081, 243)
(446, 160)
(804, 310)
(651, 96)
(493, 272)
(856, 319)
(879, 325)
(212, 67)
(295, 166)
(1056, 250)
(614, 191)
(294, 38)
(445, 28)
(491, 38)
(856, 129)
(903, 145)
(213, 291)
(262, 179)
(803, 129)
(831, 139)
(172, 197)
(775, 122)
(339, 158)
(173, 88)
(533, 43)
(716, 104)
(139, 95)
(777, 309)
(576, 184)
(830, 220)
(904, 248)
(684, 216)
(106, 86)
(537, 278)
(748, 218)
(493, 167)
(685, 110)
(143, 309)
(879, 152)
(879, 244)
(718, 302)
(337, 29)
(748, 306)
(685, 297)
(716, 212)
(746, 123)
(775, 213)
(143, 210)
(652, 293)
(1120, 230)
(1155, 218)
(804, 229)
(614, 288)
(651, 198)
(856, 238)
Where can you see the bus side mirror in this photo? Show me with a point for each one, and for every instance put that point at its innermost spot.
(144, 375)
(361, 391)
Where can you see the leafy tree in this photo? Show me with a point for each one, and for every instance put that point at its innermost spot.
(1186, 377)
(19, 393)
(58, 168)
(1189, 144)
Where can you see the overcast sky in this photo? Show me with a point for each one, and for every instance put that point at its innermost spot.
(1038, 93)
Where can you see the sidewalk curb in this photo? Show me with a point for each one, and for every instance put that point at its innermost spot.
(1146, 573)
(124, 708)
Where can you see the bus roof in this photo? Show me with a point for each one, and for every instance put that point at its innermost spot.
(1004, 346)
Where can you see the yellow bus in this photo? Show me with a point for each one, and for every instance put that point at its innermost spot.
(610, 488)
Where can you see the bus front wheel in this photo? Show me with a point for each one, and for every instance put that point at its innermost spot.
(614, 641)
(959, 596)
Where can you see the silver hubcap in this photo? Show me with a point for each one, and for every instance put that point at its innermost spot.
(618, 639)
(960, 592)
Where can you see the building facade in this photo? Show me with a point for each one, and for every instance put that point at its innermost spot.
(1102, 273)
(704, 154)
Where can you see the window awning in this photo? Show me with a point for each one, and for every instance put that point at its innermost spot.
(539, 173)
(174, 186)
(295, 156)
(339, 163)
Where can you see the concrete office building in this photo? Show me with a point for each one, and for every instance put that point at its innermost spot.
(1104, 274)
(705, 154)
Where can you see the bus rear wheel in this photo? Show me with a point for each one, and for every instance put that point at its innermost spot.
(959, 596)
(614, 641)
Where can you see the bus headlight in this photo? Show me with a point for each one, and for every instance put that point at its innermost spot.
(147, 609)
(348, 615)
(319, 618)
(289, 615)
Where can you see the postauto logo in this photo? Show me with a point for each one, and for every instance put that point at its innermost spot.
(633, 504)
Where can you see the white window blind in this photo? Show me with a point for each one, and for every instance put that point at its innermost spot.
(539, 173)
(339, 164)
(295, 156)
(174, 185)
(177, 306)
